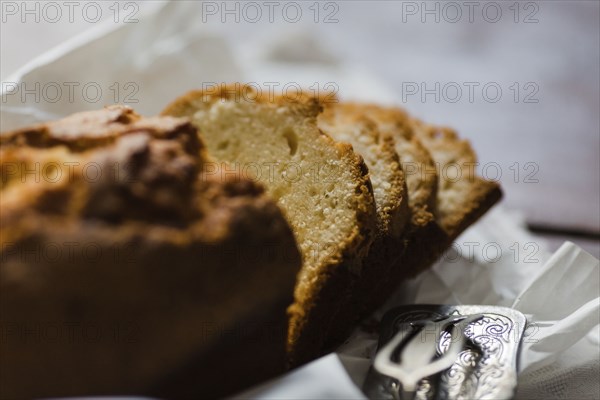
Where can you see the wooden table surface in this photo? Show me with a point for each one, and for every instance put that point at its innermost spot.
(542, 134)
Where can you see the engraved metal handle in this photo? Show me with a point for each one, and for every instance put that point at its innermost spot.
(416, 357)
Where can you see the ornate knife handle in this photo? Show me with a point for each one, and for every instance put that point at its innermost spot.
(416, 354)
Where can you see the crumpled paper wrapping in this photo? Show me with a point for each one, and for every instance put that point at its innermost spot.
(168, 53)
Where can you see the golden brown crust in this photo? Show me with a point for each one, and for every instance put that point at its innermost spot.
(462, 196)
(189, 103)
(318, 294)
(159, 258)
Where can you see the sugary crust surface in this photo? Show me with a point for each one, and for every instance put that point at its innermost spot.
(179, 259)
(321, 288)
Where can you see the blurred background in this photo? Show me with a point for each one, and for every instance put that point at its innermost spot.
(519, 79)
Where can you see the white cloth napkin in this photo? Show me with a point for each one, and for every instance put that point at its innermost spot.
(168, 53)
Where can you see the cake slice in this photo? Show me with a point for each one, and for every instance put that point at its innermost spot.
(322, 186)
(344, 124)
(462, 195)
(339, 121)
(128, 271)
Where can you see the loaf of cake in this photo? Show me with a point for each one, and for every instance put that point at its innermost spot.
(131, 265)
(194, 254)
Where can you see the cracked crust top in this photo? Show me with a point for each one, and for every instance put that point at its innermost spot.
(164, 235)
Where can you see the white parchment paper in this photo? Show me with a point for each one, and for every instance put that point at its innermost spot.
(496, 262)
